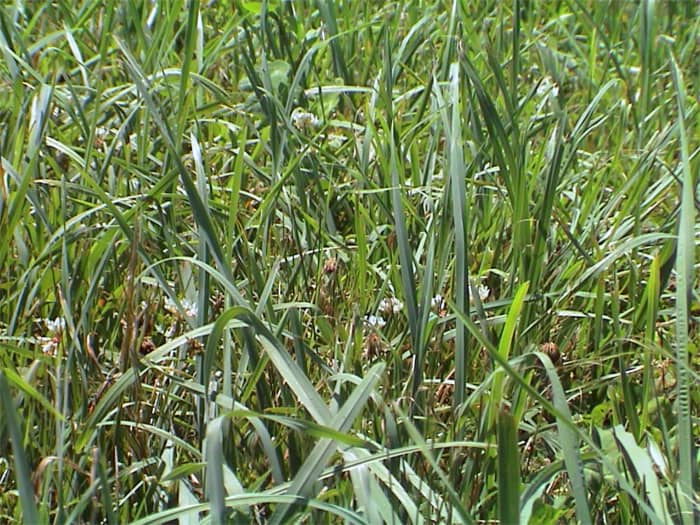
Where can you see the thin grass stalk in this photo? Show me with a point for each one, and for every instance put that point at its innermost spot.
(684, 293)
(457, 176)
(406, 263)
(188, 53)
(646, 44)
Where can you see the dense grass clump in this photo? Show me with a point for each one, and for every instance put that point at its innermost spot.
(349, 262)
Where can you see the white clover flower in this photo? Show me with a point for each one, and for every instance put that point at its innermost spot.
(56, 326)
(190, 308)
(374, 321)
(390, 305)
(303, 119)
(437, 303)
(49, 345)
(483, 292)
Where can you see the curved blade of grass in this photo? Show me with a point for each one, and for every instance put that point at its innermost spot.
(536, 487)
(22, 469)
(569, 441)
(425, 448)
(257, 499)
(18, 382)
(564, 420)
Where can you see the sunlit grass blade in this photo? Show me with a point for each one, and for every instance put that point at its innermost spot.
(570, 443)
(684, 298)
(457, 185)
(21, 461)
(214, 456)
(257, 499)
(505, 346)
(640, 465)
(313, 465)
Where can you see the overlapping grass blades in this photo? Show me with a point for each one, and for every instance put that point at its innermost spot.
(243, 250)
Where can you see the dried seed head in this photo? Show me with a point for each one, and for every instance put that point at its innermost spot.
(330, 265)
(552, 351)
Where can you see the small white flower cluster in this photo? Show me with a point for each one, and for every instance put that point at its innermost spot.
(103, 134)
(56, 326)
(437, 303)
(54, 330)
(483, 292)
(302, 119)
(189, 307)
(374, 322)
(387, 307)
(547, 88)
(390, 306)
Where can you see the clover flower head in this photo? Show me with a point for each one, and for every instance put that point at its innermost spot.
(335, 140)
(190, 308)
(55, 326)
(483, 292)
(49, 346)
(390, 306)
(374, 321)
(437, 303)
(303, 119)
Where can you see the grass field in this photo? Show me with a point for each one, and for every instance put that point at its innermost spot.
(349, 262)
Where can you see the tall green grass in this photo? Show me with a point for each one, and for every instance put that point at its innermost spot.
(341, 262)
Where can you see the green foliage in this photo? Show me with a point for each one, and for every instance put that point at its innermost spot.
(332, 262)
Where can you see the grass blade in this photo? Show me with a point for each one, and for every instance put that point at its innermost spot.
(22, 468)
(508, 469)
(684, 296)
